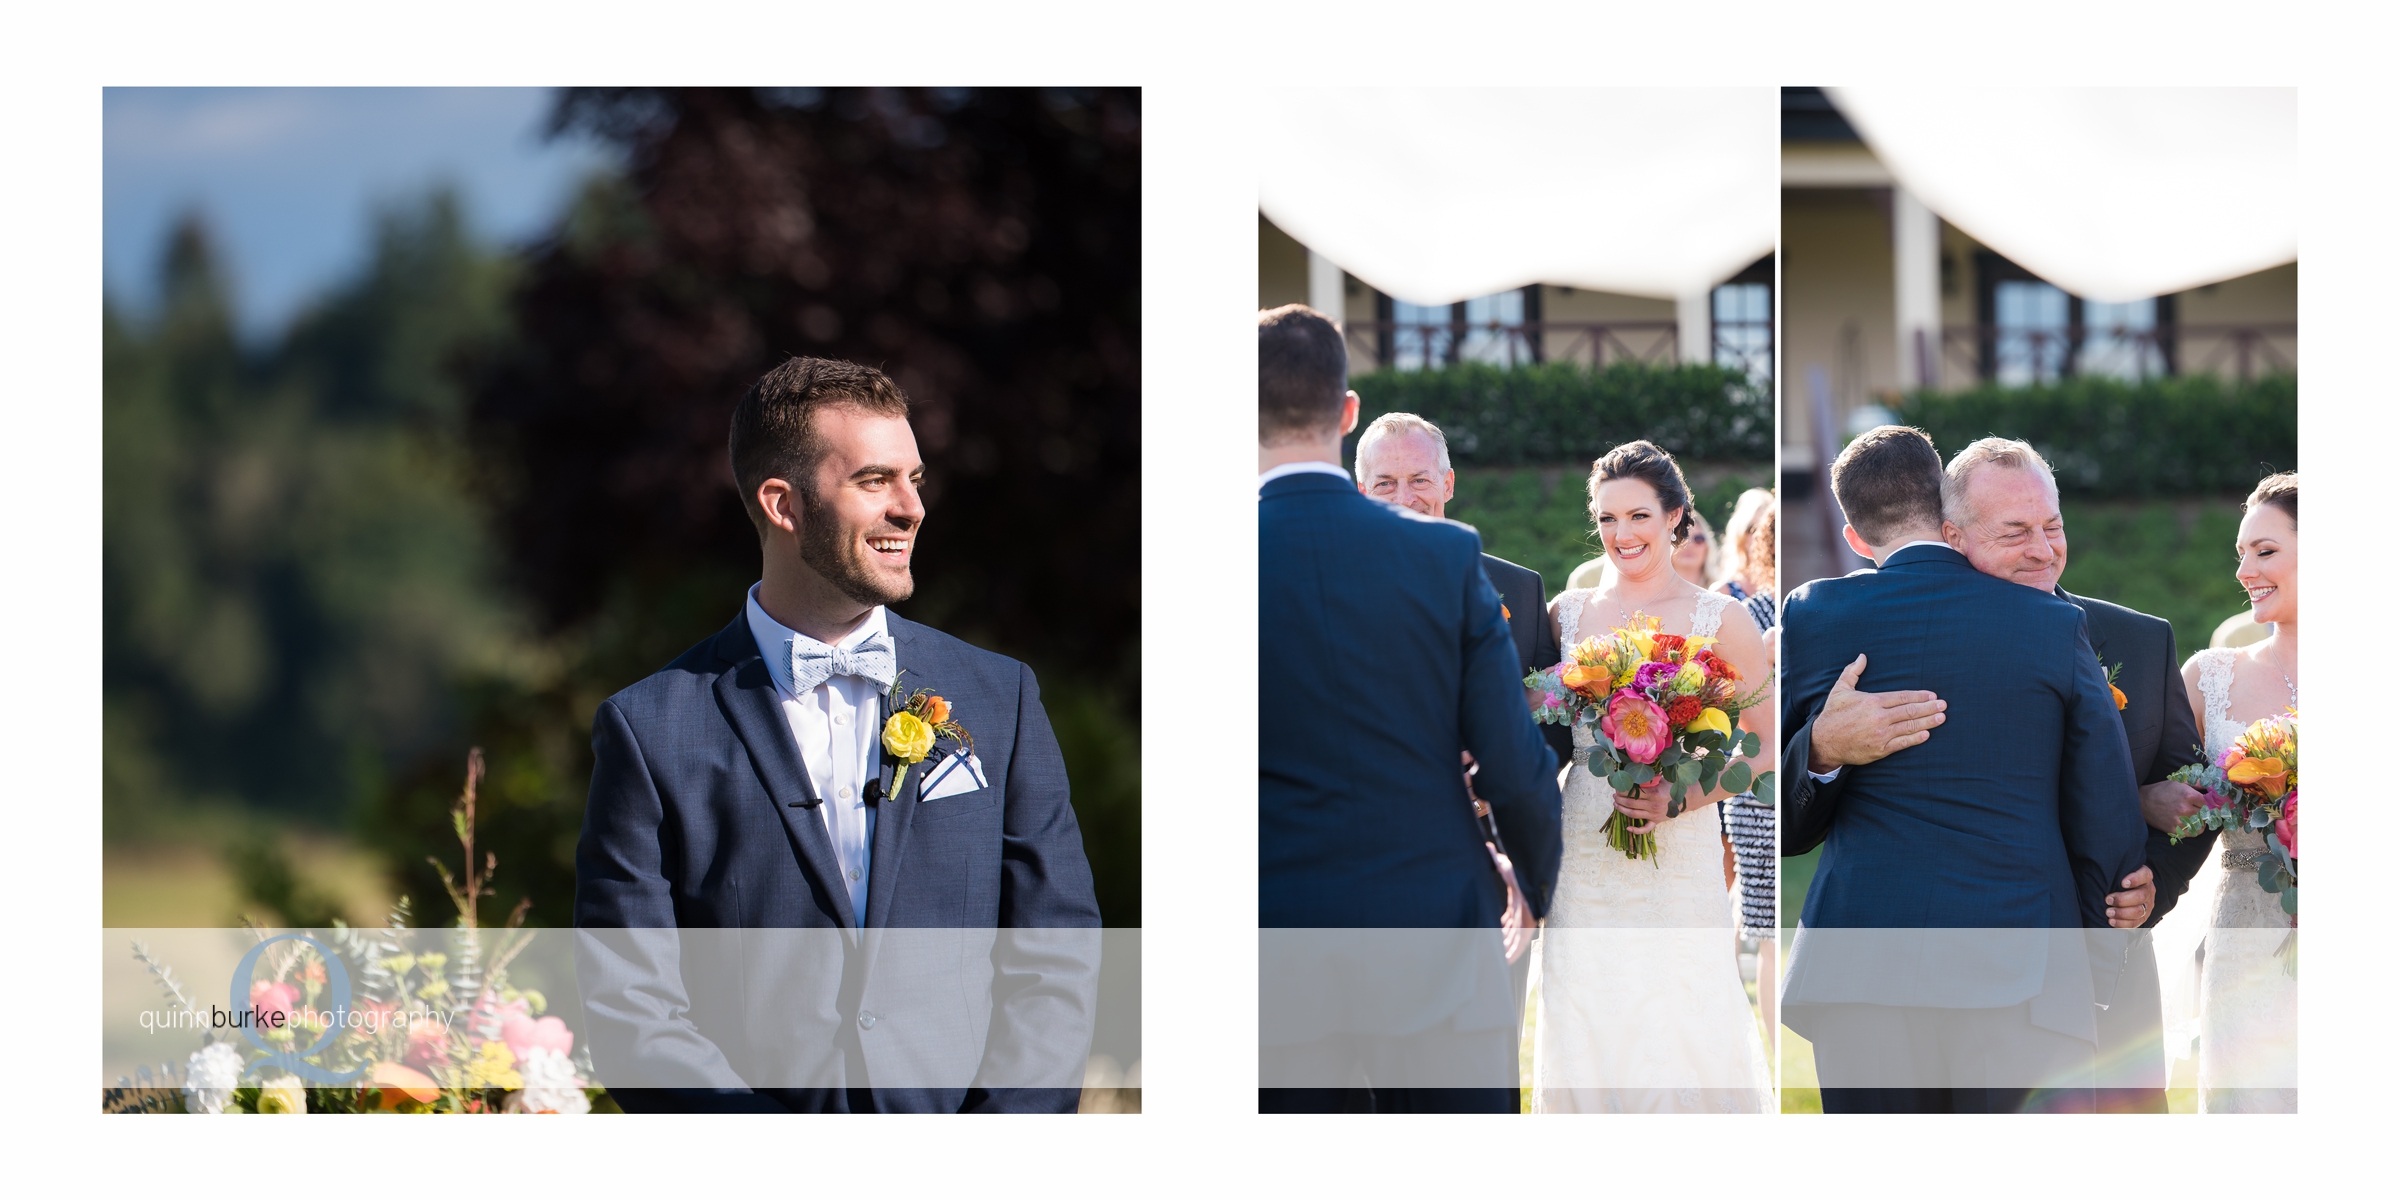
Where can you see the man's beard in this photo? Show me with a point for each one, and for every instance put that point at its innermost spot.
(827, 549)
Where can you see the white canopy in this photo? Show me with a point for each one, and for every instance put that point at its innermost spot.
(2114, 194)
(1434, 195)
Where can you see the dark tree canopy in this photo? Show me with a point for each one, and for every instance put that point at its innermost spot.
(982, 247)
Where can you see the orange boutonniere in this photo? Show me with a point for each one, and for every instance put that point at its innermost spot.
(918, 719)
(2116, 693)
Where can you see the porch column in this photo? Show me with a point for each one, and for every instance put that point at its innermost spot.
(1695, 333)
(1325, 288)
(1916, 290)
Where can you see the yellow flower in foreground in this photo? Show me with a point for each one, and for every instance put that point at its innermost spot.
(1688, 679)
(282, 1094)
(907, 737)
(496, 1067)
(1711, 718)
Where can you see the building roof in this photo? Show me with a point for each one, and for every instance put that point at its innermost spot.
(1809, 116)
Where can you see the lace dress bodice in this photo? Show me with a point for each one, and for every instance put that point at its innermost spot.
(1642, 1006)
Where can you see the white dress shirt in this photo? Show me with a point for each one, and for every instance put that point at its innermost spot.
(1827, 777)
(1308, 467)
(835, 725)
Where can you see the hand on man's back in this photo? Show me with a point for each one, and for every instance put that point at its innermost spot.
(1854, 728)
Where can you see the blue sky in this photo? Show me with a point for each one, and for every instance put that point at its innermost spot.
(288, 178)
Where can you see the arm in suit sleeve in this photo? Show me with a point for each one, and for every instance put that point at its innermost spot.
(1808, 805)
(628, 954)
(2173, 864)
(2100, 814)
(1515, 772)
(1046, 963)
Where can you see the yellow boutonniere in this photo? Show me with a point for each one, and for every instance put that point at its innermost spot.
(917, 719)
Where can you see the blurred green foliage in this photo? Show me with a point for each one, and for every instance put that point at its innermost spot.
(1537, 517)
(2172, 559)
(2180, 436)
(295, 576)
(1568, 412)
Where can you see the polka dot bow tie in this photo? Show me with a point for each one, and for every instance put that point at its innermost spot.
(814, 662)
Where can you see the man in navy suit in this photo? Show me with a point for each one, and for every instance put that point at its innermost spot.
(2001, 510)
(1382, 656)
(787, 900)
(1922, 972)
(1404, 459)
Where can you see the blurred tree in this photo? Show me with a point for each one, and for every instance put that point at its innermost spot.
(296, 577)
(982, 247)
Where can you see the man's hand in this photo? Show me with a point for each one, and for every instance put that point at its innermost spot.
(1854, 727)
(2129, 908)
(2166, 802)
(1516, 923)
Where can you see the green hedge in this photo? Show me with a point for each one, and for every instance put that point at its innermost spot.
(2192, 435)
(1568, 412)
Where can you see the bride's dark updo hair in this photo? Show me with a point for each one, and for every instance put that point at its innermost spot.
(1643, 460)
(2282, 491)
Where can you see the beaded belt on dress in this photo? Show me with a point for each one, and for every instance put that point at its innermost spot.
(2240, 860)
(1581, 757)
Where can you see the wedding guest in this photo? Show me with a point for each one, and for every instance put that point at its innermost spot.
(1735, 576)
(1749, 820)
(1696, 558)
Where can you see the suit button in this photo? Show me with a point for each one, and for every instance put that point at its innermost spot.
(866, 1020)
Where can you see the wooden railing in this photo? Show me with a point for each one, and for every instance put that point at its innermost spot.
(2241, 351)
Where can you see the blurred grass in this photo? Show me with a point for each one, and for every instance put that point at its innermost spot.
(1536, 517)
(194, 885)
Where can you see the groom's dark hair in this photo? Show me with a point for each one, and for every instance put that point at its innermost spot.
(1303, 372)
(1888, 482)
(773, 436)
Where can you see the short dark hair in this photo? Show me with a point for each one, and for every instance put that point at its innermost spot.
(1303, 371)
(1889, 481)
(2281, 490)
(1643, 460)
(773, 436)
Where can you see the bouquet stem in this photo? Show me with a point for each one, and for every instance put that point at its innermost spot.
(1635, 845)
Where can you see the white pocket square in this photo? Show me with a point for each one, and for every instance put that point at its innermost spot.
(951, 776)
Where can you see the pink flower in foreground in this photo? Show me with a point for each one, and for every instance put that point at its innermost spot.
(1636, 726)
(1650, 675)
(525, 1035)
(274, 997)
(2287, 826)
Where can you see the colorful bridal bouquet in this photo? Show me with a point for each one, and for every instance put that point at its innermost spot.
(387, 1020)
(2255, 784)
(1661, 707)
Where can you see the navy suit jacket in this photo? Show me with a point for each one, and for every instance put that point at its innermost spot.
(1382, 654)
(701, 817)
(2020, 811)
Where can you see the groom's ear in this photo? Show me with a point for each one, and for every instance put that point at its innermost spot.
(1349, 412)
(780, 504)
(1858, 544)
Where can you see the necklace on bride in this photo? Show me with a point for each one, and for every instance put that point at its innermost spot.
(2287, 676)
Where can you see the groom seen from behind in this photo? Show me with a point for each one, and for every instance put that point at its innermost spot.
(1923, 972)
(1382, 655)
(784, 779)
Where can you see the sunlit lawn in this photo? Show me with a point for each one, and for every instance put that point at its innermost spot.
(188, 886)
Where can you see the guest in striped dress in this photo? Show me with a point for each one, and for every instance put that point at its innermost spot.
(1749, 820)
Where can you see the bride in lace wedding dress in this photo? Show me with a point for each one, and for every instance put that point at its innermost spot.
(2248, 1007)
(1641, 1006)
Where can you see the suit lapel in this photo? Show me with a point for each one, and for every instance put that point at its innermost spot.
(898, 808)
(747, 695)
